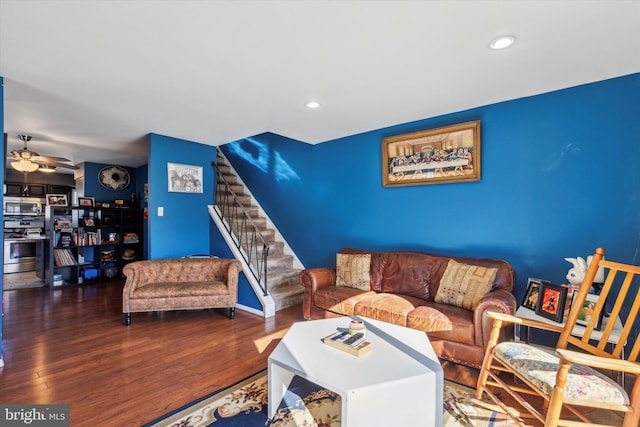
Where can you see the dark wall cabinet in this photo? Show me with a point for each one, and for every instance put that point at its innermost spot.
(26, 190)
(35, 190)
(58, 189)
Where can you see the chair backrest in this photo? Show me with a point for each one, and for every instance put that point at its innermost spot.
(620, 286)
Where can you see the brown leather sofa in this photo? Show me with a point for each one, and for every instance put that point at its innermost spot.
(402, 289)
(180, 284)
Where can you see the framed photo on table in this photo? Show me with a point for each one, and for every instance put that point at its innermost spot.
(587, 312)
(530, 300)
(551, 301)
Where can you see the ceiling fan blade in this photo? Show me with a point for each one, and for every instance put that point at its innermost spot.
(49, 158)
(54, 163)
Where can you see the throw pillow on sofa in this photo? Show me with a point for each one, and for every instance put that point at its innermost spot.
(463, 285)
(352, 270)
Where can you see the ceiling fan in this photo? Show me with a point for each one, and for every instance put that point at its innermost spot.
(26, 160)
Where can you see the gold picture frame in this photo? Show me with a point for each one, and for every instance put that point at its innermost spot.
(438, 156)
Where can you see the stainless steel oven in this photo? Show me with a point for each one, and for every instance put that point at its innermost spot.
(21, 240)
(20, 255)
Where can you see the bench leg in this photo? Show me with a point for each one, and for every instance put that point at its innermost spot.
(232, 312)
(127, 319)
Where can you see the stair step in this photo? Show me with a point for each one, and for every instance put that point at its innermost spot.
(290, 297)
(260, 222)
(246, 238)
(284, 277)
(285, 289)
(275, 248)
(276, 262)
(252, 210)
(224, 168)
(243, 198)
(237, 187)
(233, 219)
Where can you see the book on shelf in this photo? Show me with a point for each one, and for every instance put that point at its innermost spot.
(63, 257)
(355, 344)
(65, 238)
(87, 238)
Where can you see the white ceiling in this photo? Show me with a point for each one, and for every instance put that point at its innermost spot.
(89, 79)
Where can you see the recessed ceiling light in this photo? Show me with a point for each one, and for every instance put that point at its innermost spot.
(502, 42)
(312, 104)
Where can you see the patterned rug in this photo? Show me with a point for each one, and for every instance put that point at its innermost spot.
(244, 404)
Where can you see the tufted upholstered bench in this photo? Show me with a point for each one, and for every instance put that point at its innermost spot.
(180, 284)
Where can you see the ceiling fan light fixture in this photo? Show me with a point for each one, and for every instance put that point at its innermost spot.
(502, 42)
(47, 168)
(24, 166)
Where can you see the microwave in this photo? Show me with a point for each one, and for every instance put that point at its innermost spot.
(23, 206)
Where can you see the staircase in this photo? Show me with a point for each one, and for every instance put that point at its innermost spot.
(281, 275)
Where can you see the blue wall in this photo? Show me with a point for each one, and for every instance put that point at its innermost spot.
(559, 178)
(184, 228)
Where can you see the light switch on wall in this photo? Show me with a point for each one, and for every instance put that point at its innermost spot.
(160, 211)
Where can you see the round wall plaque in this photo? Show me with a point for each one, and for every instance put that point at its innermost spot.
(114, 178)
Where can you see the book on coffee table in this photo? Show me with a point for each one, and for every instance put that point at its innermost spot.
(355, 344)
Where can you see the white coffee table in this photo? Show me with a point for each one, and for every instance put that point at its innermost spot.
(399, 382)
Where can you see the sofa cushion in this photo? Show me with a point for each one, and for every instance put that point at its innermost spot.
(505, 276)
(443, 321)
(389, 308)
(463, 285)
(181, 289)
(352, 271)
(404, 272)
(340, 300)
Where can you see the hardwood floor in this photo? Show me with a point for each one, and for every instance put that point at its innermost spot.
(70, 346)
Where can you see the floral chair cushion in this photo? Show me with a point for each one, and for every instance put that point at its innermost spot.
(540, 367)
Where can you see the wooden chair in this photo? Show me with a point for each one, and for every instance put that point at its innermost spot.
(571, 377)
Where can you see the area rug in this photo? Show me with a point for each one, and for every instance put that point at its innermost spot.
(305, 404)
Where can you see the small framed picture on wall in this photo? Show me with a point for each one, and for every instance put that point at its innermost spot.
(184, 178)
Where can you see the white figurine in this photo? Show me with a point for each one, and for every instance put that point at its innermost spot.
(575, 276)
